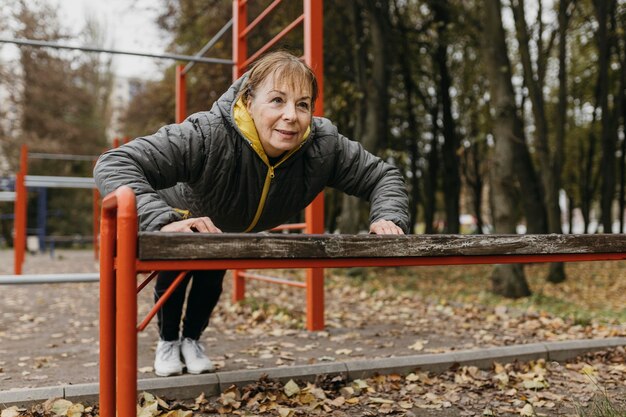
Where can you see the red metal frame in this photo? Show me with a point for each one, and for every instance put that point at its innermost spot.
(312, 18)
(181, 94)
(118, 305)
(20, 210)
(20, 214)
(118, 291)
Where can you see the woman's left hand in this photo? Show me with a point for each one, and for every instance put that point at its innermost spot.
(385, 227)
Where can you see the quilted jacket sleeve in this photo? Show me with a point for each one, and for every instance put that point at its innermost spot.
(176, 153)
(358, 172)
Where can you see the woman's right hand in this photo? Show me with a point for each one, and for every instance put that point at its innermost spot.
(194, 224)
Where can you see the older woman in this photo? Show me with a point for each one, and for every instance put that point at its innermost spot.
(253, 161)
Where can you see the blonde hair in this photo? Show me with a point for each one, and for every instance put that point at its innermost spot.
(284, 67)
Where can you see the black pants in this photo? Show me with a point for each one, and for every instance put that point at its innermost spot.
(206, 288)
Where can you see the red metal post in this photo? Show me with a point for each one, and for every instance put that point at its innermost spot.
(181, 94)
(118, 305)
(314, 213)
(20, 213)
(240, 52)
(107, 307)
(240, 47)
(126, 299)
(239, 286)
(314, 46)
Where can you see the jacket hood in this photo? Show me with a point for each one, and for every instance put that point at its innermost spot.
(226, 103)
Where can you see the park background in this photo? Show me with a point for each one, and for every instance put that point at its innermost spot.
(505, 117)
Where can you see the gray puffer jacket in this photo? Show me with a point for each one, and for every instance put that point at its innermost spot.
(207, 166)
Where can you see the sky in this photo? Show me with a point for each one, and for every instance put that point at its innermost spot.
(131, 26)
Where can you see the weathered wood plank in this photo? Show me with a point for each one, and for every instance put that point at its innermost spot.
(170, 246)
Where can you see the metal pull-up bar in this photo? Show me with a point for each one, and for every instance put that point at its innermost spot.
(176, 57)
(209, 45)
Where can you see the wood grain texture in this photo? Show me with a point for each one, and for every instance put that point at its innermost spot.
(169, 246)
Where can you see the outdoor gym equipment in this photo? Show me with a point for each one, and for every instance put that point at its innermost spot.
(125, 253)
(311, 19)
(42, 182)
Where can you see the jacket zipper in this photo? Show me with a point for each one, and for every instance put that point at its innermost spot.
(266, 187)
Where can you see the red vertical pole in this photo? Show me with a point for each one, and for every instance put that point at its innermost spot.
(240, 46)
(240, 53)
(181, 94)
(107, 310)
(314, 213)
(20, 213)
(239, 286)
(314, 46)
(126, 300)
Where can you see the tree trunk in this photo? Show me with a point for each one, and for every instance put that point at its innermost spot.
(551, 165)
(507, 280)
(412, 137)
(607, 165)
(449, 150)
(430, 184)
(622, 101)
(371, 122)
(570, 213)
(471, 168)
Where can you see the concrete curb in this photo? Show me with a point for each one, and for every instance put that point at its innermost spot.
(190, 386)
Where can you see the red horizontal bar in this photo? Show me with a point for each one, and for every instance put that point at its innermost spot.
(290, 226)
(195, 264)
(273, 280)
(274, 40)
(261, 16)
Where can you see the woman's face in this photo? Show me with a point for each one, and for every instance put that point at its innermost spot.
(281, 115)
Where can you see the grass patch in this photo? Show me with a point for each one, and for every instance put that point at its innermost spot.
(593, 291)
(602, 406)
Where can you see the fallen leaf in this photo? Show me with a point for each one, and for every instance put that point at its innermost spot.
(338, 402)
(527, 411)
(418, 345)
(291, 388)
(285, 412)
(60, 407)
(10, 412)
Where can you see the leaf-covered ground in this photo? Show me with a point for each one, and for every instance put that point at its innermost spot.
(47, 330)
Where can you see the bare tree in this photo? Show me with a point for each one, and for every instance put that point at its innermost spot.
(450, 146)
(373, 79)
(534, 80)
(604, 9)
(507, 280)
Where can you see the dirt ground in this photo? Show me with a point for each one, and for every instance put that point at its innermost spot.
(49, 332)
(49, 329)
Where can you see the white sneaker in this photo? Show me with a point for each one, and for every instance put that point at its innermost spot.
(167, 360)
(195, 359)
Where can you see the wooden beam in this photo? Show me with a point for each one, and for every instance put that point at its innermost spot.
(190, 246)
